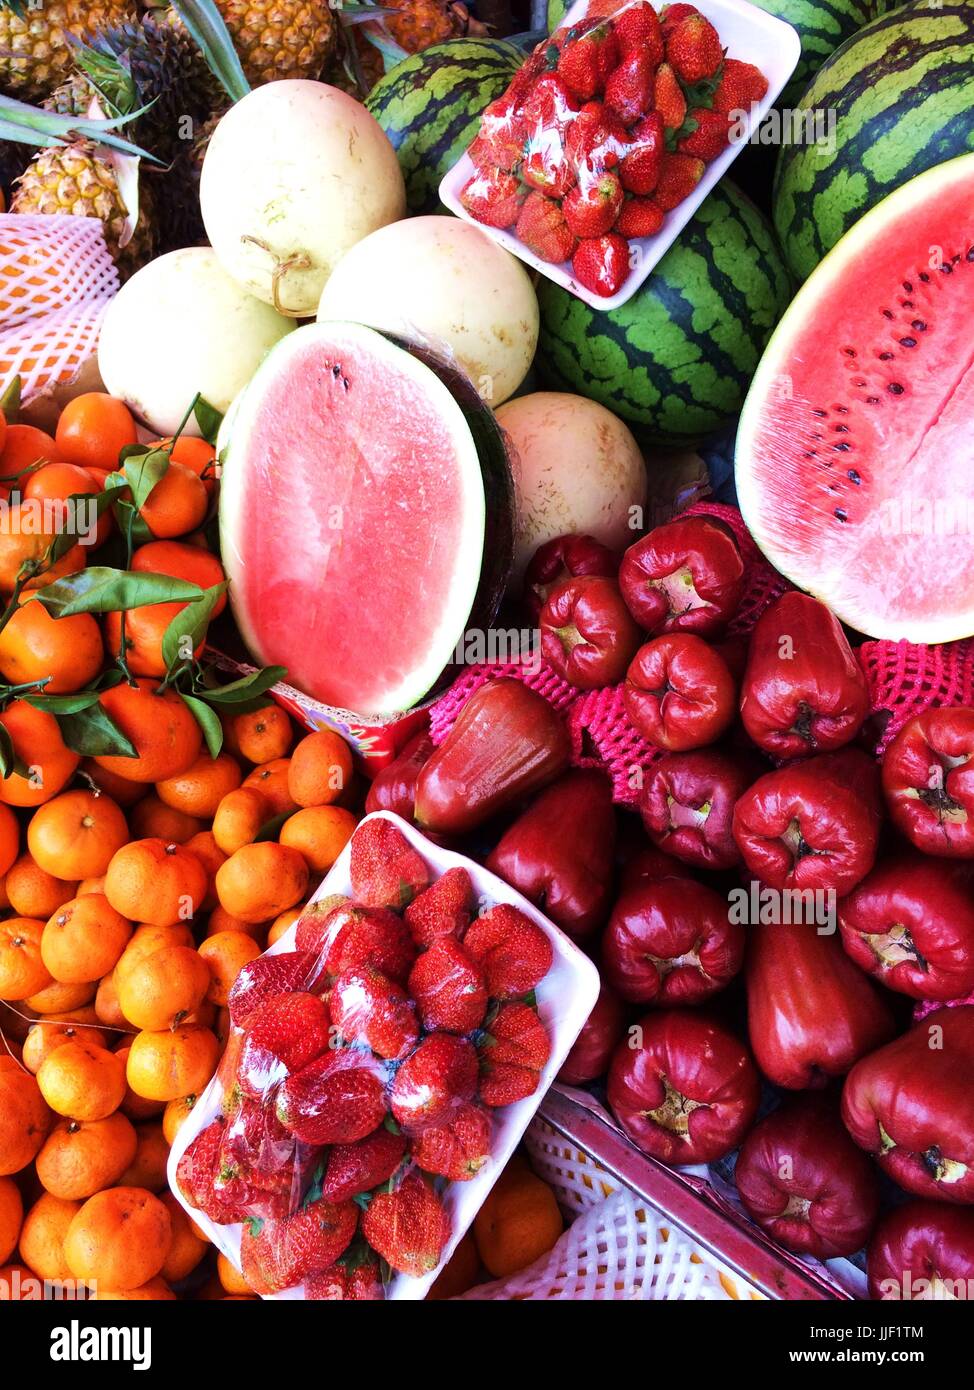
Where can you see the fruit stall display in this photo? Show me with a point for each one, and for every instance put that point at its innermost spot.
(483, 771)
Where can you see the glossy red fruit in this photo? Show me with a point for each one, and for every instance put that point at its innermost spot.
(409, 1227)
(920, 1251)
(601, 264)
(362, 1166)
(337, 1099)
(679, 692)
(456, 1151)
(348, 937)
(513, 952)
(588, 635)
(449, 988)
(565, 557)
(685, 576)
(276, 1255)
(601, 1033)
(928, 782)
(394, 788)
(282, 1036)
(433, 1082)
(266, 976)
(367, 1007)
(445, 908)
(385, 870)
(512, 1050)
(687, 805)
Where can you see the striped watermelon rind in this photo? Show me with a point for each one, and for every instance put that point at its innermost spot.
(822, 26)
(430, 104)
(675, 361)
(902, 90)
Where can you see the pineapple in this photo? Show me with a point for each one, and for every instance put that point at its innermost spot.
(72, 98)
(277, 39)
(421, 23)
(77, 179)
(35, 54)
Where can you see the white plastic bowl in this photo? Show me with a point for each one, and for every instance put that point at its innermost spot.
(747, 33)
(565, 998)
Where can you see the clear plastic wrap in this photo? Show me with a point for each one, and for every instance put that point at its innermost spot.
(384, 1061)
(614, 130)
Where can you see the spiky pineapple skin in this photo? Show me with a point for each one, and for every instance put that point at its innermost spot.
(71, 98)
(76, 180)
(418, 24)
(278, 39)
(35, 55)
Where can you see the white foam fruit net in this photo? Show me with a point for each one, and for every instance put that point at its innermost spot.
(617, 1247)
(57, 278)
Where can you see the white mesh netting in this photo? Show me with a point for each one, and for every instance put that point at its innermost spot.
(57, 278)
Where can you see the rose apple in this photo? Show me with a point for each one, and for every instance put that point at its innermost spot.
(394, 788)
(922, 1251)
(679, 692)
(593, 1048)
(588, 635)
(560, 853)
(928, 781)
(683, 1087)
(565, 557)
(804, 1181)
(686, 576)
(911, 1105)
(687, 805)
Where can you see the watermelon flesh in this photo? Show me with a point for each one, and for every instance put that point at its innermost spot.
(353, 516)
(853, 457)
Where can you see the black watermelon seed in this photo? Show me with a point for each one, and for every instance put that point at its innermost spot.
(842, 409)
(924, 277)
(919, 325)
(854, 477)
(970, 254)
(908, 286)
(885, 356)
(872, 400)
(907, 304)
(946, 268)
(841, 429)
(908, 342)
(849, 352)
(895, 388)
(842, 447)
(841, 514)
(820, 413)
(887, 313)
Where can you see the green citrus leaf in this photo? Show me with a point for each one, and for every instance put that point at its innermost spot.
(208, 418)
(208, 720)
(99, 589)
(191, 623)
(93, 733)
(246, 688)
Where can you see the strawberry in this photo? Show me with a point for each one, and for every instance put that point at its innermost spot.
(514, 953)
(356, 1277)
(669, 98)
(541, 226)
(257, 1148)
(276, 1255)
(408, 1227)
(629, 91)
(639, 171)
(433, 1082)
(367, 1007)
(740, 86)
(678, 177)
(638, 30)
(384, 868)
(492, 198)
(368, 1163)
(221, 1195)
(708, 133)
(444, 909)
(337, 1099)
(674, 14)
(458, 1150)
(592, 206)
(601, 264)
(351, 936)
(596, 139)
(501, 138)
(512, 1052)
(449, 989)
(639, 217)
(586, 61)
(260, 979)
(546, 164)
(282, 1036)
(693, 48)
(548, 104)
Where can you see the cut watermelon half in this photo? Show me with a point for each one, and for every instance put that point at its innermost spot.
(856, 444)
(366, 516)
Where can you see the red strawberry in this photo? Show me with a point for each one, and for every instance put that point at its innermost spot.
(638, 30)
(693, 48)
(678, 178)
(512, 1054)
(601, 264)
(639, 171)
(282, 1036)
(548, 104)
(708, 136)
(546, 164)
(221, 1196)
(258, 1149)
(587, 60)
(514, 953)
(350, 936)
(444, 909)
(359, 1167)
(260, 979)
(384, 868)
(492, 198)
(673, 15)
(336, 1099)
(276, 1255)
(448, 988)
(433, 1082)
(639, 217)
(367, 1007)
(356, 1277)
(669, 98)
(629, 91)
(501, 138)
(541, 226)
(593, 205)
(408, 1227)
(596, 140)
(458, 1150)
(740, 85)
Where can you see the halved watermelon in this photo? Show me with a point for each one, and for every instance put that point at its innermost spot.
(856, 444)
(366, 515)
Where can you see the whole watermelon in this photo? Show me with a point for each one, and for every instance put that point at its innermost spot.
(902, 90)
(822, 26)
(430, 105)
(676, 360)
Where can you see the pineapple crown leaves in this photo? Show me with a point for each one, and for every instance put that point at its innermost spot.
(205, 24)
(28, 125)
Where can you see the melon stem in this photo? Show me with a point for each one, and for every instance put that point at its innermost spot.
(298, 260)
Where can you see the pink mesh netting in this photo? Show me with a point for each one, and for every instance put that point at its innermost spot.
(905, 680)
